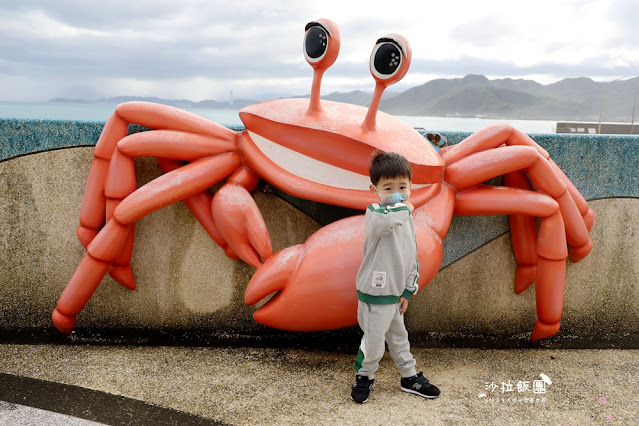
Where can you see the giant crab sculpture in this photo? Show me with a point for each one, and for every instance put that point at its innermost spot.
(320, 150)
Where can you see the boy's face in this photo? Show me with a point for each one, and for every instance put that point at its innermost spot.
(386, 186)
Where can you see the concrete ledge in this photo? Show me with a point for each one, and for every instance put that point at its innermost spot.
(22, 137)
(186, 282)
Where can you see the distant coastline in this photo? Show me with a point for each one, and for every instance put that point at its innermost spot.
(178, 103)
(575, 99)
(100, 112)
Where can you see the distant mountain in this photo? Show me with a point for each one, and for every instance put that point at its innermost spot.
(70, 101)
(356, 97)
(473, 95)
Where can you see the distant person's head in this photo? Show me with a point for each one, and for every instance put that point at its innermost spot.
(438, 141)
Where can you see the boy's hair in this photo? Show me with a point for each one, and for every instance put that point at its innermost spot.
(389, 165)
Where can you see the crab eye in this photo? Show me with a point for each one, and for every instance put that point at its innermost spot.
(386, 59)
(315, 43)
(390, 59)
(321, 43)
(389, 63)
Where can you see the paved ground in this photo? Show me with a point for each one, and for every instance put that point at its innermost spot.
(296, 386)
(16, 414)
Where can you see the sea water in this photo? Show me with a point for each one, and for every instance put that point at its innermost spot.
(229, 117)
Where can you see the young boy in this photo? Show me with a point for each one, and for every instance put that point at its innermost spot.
(387, 279)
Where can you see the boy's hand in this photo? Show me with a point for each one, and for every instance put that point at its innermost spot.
(410, 205)
(403, 305)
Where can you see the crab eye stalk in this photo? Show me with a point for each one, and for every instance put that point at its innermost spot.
(389, 63)
(321, 47)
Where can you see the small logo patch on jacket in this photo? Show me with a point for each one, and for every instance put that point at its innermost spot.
(379, 279)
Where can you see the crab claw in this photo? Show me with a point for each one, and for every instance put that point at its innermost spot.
(330, 258)
(241, 224)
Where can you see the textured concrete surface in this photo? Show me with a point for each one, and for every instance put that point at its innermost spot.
(292, 386)
(22, 137)
(186, 281)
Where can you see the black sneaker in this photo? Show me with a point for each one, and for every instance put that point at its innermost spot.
(361, 389)
(419, 385)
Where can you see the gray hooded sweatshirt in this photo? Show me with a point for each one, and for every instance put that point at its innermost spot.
(389, 269)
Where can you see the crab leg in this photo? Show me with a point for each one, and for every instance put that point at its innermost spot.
(481, 166)
(523, 236)
(200, 207)
(489, 138)
(551, 243)
(96, 208)
(157, 116)
(586, 212)
(169, 146)
(241, 224)
(176, 186)
(107, 245)
(187, 143)
(243, 232)
(92, 212)
(121, 179)
(499, 134)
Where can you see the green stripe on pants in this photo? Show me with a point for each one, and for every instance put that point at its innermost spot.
(358, 360)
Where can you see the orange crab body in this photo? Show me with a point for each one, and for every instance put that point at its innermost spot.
(326, 157)
(321, 151)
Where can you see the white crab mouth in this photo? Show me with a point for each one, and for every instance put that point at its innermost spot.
(309, 168)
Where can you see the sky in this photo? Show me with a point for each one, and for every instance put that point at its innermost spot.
(198, 50)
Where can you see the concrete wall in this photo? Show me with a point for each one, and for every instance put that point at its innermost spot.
(186, 282)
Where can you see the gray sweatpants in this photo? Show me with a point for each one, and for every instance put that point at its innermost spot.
(382, 323)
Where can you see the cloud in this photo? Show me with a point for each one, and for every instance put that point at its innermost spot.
(200, 49)
(595, 66)
(149, 41)
(485, 32)
(625, 15)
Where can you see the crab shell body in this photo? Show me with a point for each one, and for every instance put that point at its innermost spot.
(326, 157)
